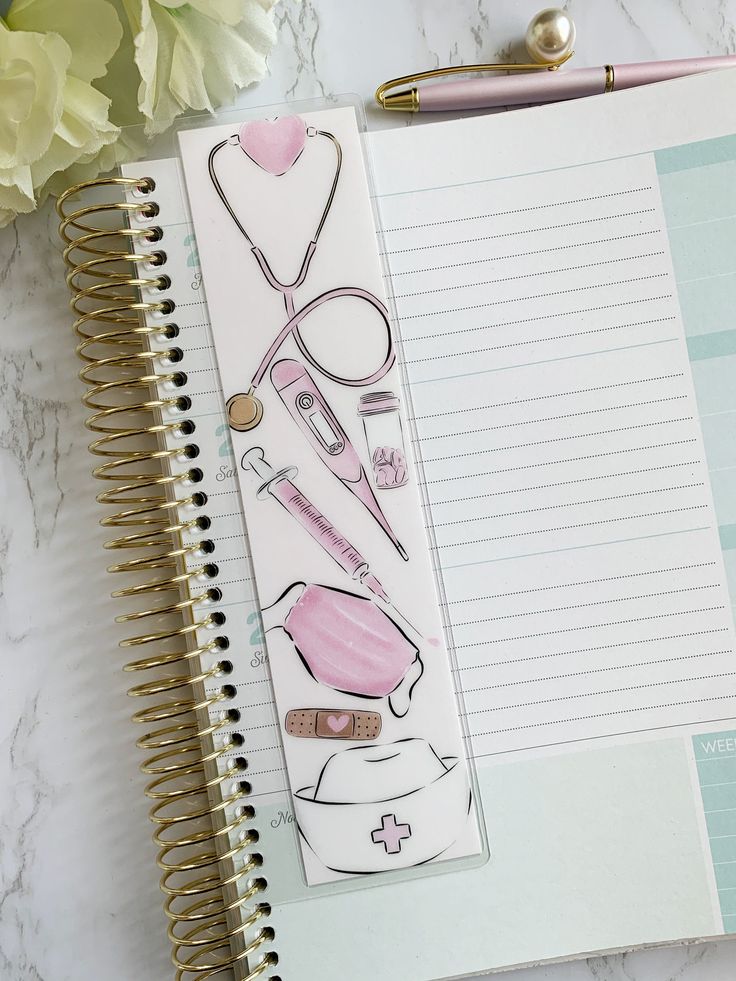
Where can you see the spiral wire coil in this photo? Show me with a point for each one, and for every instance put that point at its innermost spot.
(118, 285)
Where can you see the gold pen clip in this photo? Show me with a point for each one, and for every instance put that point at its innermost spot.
(407, 100)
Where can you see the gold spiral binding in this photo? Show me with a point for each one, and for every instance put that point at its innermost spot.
(209, 871)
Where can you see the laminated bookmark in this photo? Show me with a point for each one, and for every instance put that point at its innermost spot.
(304, 342)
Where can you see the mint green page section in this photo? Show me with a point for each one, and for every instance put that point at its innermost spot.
(715, 758)
(698, 187)
(569, 834)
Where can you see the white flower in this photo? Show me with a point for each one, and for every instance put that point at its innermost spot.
(75, 73)
(196, 54)
(52, 117)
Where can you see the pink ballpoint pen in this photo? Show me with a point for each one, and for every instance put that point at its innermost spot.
(533, 86)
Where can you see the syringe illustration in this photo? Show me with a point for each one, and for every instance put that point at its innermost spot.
(278, 484)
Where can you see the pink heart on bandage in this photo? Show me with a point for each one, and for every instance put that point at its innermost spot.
(337, 722)
(273, 144)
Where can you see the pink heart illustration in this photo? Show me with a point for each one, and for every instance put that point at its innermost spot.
(273, 144)
(337, 722)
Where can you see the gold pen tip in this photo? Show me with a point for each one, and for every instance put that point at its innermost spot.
(407, 100)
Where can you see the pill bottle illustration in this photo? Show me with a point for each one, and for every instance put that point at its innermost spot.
(385, 438)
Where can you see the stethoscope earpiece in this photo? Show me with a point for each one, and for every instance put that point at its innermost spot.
(244, 411)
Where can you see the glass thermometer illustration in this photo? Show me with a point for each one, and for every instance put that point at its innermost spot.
(310, 411)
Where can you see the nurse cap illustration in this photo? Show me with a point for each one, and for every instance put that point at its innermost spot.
(377, 808)
(347, 643)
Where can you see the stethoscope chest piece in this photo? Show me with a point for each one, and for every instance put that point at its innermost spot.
(244, 411)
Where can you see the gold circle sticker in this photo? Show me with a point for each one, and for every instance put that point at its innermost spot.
(244, 411)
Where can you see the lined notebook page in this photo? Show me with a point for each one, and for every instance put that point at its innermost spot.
(561, 451)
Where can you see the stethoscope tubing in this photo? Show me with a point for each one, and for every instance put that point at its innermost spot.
(296, 317)
(292, 326)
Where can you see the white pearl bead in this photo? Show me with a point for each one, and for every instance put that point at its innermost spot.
(550, 35)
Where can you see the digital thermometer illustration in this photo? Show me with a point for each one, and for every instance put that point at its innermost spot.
(310, 411)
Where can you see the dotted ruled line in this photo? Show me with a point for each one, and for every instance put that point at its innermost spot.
(561, 483)
(583, 582)
(589, 626)
(609, 691)
(613, 667)
(517, 211)
(568, 504)
(584, 524)
(522, 255)
(531, 275)
(535, 296)
(531, 320)
(225, 538)
(566, 415)
(558, 439)
(553, 395)
(537, 340)
(586, 650)
(582, 606)
(550, 463)
(600, 715)
(520, 231)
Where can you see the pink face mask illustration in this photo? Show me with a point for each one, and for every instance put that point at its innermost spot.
(347, 643)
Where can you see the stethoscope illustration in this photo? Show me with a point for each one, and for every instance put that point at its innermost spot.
(276, 156)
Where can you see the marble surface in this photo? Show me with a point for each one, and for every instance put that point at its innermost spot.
(78, 889)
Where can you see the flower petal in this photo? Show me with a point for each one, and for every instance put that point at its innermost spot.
(227, 11)
(89, 166)
(154, 47)
(81, 133)
(16, 193)
(232, 57)
(29, 60)
(122, 81)
(189, 59)
(91, 28)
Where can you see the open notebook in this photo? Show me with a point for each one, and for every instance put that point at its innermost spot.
(467, 700)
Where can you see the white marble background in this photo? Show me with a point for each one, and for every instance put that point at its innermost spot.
(78, 887)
